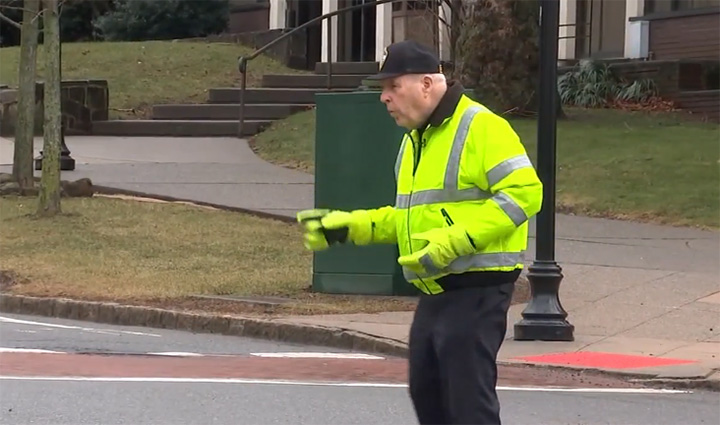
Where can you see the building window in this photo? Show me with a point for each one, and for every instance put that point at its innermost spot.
(659, 6)
(412, 5)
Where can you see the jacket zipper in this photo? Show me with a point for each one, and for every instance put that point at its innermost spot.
(412, 186)
(445, 214)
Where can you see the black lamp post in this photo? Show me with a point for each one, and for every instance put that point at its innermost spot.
(544, 317)
(67, 162)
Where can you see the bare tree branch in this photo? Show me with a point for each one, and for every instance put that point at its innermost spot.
(6, 6)
(18, 25)
(9, 21)
(441, 19)
(60, 6)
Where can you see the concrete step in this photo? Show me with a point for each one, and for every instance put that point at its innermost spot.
(345, 68)
(225, 111)
(189, 128)
(8, 96)
(311, 81)
(266, 95)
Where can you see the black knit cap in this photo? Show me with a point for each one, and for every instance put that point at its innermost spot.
(407, 57)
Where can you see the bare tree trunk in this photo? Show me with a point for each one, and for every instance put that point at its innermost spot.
(25, 124)
(49, 199)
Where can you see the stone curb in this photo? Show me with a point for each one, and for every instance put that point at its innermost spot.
(128, 315)
(277, 330)
(709, 381)
(106, 190)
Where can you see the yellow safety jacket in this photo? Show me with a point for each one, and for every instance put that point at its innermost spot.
(470, 170)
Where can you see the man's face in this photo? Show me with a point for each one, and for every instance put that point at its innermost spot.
(406, 99)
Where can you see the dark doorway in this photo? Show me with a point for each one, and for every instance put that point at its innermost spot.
(298, 13)
(356, 40)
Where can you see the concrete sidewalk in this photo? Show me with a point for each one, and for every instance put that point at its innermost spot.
(222, 171)
(630, 289)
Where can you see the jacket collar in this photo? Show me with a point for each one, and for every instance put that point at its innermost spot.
(447, 105)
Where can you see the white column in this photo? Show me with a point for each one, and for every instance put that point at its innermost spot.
(383, 29)
(329, 6)
(444, 31)
(568, 17)
(633, 8)
(278, 9)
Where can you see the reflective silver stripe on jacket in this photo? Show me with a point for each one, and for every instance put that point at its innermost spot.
(434, 196)
(503, 169)
(511, 208)
(465, 262)
(398, 160)
(450, 191)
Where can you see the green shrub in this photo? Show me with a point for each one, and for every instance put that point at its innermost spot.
(497, 53)
(593, 84)
(77, 16)
(138, 20)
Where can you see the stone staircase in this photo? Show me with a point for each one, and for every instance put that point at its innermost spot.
(689, 83)
(279, 96)
(704, 103)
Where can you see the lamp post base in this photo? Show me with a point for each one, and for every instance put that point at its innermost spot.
(67, 163)
(544, 317)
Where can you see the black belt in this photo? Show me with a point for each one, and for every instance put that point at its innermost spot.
(477, 279)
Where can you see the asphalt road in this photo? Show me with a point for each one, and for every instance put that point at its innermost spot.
(80, 403)
(17, 331)
(235, 382)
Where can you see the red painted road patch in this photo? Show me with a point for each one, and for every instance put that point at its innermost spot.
(604, 360)
(388, 370)
(385, 371)
(89, 365)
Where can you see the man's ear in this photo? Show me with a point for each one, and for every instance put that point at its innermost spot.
(427, 83)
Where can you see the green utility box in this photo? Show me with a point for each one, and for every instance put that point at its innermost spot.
(356, 144)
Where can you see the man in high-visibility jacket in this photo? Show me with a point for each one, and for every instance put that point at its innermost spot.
(465, 192)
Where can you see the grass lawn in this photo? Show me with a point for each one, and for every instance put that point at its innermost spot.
(289, 142)
(645, 166)
(144, 73)
(161, 254)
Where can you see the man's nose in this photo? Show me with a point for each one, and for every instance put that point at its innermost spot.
(384, 97)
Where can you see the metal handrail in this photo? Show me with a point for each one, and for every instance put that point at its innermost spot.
(243, 60)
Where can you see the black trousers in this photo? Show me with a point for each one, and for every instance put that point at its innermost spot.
(454, 340)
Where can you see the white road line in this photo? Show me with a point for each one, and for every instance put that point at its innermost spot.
(597, 390)
(324, 383)
(203, 381)
(41, 351)
(86, 329)
(28, 350)
(311, 355)
(160, 353)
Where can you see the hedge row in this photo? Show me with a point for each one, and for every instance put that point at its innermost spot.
(127, 20)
